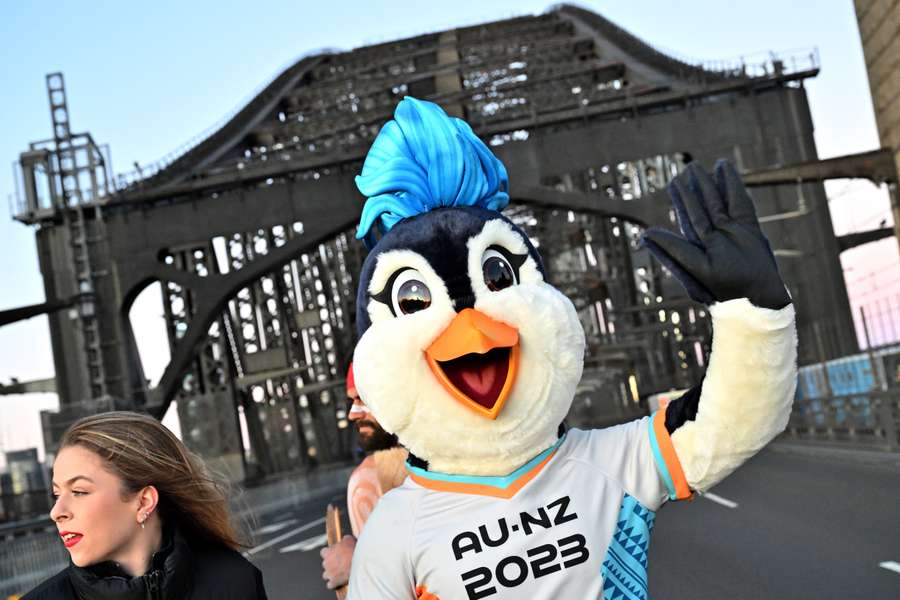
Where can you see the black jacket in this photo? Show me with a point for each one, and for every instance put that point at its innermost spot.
(178, 571)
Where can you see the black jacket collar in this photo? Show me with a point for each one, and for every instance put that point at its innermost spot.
(167, 579)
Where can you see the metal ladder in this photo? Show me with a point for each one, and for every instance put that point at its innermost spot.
(73, 213)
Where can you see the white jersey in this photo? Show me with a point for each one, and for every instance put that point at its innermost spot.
(573, 522)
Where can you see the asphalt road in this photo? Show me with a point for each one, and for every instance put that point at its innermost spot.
(785, 526)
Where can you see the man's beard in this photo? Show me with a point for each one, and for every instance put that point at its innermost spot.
(378, 439)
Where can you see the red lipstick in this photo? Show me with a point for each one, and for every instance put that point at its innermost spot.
(70, 538)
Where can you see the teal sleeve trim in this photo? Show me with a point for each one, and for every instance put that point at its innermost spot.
(660, 462)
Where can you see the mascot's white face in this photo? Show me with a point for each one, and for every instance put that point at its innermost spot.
(478, 391)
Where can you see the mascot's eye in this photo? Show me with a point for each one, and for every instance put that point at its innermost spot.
(409, 294)
(498, 273)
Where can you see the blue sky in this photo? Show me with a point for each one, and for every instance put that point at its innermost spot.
(147, 77)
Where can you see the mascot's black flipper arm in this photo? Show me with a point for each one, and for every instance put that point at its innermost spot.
(683, 409)
(724, 260)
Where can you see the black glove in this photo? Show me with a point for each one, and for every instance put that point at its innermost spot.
(724, 254)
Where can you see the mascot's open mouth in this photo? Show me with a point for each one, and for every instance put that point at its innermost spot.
(479, 376)
(476, 359)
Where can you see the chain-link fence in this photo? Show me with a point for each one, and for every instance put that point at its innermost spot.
(865, 420)
(29, 553)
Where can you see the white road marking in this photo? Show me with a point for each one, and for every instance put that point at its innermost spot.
(317, 541)
(890, 565)
(720, 500)
(273, 527)
(283, 536)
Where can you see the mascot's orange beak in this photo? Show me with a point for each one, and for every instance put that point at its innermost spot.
(476, 359)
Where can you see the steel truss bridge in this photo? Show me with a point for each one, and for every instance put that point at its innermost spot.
(249, 232)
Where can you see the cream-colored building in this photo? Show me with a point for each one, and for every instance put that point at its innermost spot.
(879, 28)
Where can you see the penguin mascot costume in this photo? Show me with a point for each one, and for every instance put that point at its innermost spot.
(472, 358)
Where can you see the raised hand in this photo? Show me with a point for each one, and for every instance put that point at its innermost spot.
(723, 254)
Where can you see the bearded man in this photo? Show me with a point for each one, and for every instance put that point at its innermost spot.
(381, 471)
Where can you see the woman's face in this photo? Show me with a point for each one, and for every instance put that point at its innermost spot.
(94, 521)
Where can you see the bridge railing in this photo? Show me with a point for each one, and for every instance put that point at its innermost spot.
(30, 552)
(865, 420)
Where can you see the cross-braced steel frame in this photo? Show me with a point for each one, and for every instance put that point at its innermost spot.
(250, 232)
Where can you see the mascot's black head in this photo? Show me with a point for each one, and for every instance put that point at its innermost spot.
(440, 236)
(465, 352)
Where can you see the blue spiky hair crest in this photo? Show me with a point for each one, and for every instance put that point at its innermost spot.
(423, 160)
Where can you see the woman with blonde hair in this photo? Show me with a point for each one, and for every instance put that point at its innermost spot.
(141, 518)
